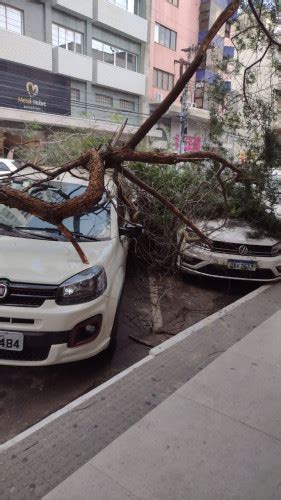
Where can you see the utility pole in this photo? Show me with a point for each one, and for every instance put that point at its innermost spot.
(184, 97)
(184, 105)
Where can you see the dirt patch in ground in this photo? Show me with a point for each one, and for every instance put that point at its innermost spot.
(161, 305)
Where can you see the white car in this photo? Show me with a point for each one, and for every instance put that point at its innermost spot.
(7, 166)
(237, 253)
(53, 308)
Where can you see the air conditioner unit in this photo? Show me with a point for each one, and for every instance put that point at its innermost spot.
(158, 97)
(194, 105)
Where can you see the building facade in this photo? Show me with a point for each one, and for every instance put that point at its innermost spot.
(73, 63)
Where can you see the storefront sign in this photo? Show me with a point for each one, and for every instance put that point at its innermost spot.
(30, 89)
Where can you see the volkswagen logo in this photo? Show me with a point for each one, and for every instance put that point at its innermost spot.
(3, 290)
(243, 250)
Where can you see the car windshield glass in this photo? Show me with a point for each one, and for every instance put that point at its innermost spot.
(93, 224)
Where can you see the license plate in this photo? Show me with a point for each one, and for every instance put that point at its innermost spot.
(11, 341)
(242, 265)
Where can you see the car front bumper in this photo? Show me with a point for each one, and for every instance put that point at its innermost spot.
(47, 334)
(215, 265)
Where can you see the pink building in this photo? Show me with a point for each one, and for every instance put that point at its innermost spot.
(174, 26)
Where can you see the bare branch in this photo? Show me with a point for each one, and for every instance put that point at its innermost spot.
(248, 69)
(262, 26)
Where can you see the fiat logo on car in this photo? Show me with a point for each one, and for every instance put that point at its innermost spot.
(3, 290)
(243, 250)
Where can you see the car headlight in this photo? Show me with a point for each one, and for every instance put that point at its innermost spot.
(276, 249)
(202, 245)
(83, 287)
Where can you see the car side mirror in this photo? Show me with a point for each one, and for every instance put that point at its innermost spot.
(131, 230)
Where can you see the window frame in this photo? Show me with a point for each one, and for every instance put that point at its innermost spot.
(104, 96)
(115, 51)
(74, 90)
(75, 33)
(126, 109)
(175, 3)
(162, 33)
(21, 12)
(158, 77)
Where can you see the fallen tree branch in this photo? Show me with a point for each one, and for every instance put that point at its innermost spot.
(164, 201)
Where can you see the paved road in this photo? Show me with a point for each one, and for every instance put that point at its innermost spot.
(29, 394)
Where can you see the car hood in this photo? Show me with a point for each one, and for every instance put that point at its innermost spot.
(234, 231)
(48, 262)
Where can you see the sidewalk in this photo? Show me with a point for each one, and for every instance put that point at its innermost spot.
(163, 430)
(217, 437)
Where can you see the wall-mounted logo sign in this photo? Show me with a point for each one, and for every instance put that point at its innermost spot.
(30, 103)
(31, 89)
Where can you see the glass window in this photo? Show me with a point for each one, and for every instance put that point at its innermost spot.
(162, 79)
(156, 33)
(174, 2)
(67, 39)
(95, 223)
(78, 43)
(3, 167)
(75, 94)
(108, 53)
(55, 35)
(131, 61)
(120, 58)
(165, 81)
(165, 36)
(62, 37)
(127, 105)
(173, 40)
(114, 55)
(11, 19)
(97, 50)
(162, 35)
(104, 100)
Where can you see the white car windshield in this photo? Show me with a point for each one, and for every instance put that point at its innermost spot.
(92, 225)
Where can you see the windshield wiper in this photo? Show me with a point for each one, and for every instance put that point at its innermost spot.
(55, 230)
(47, 229)
(81, 235)
(20, 229)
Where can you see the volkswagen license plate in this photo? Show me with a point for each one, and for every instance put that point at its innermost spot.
(11, 341)
(242, 265)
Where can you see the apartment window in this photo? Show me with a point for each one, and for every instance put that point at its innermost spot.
(67, 39)
(227, 29)
(113, 55)
(165, 36)
(104, 100)
(11, 19)
(174, 2)
(127, 105)
(162, 79)
(75, 94)
(132, 6)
